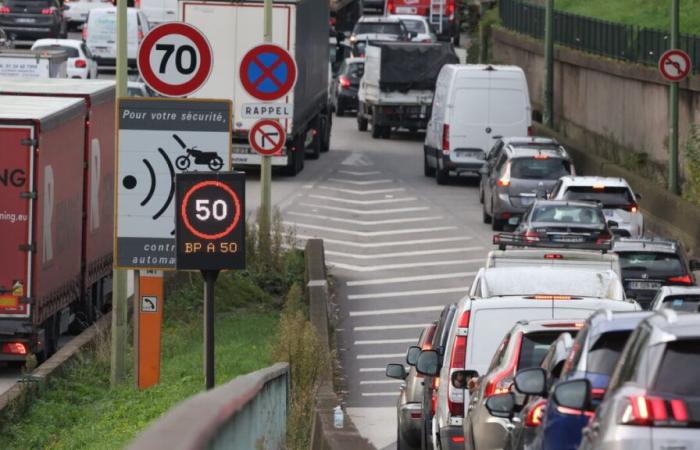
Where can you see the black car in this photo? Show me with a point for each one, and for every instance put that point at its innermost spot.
(33, 19)
(346, 84)
(563, 223)
(649, 263)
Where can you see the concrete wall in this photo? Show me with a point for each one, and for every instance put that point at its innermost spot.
(614, 108)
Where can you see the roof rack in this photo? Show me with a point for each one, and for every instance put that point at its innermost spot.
(505, 240)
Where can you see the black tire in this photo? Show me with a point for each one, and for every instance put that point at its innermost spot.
(386, 132)
(377, 131)
(496, 224)
(339, 108)
(481, 193)
(295, 160)
(456, 38)
(51, 335)
(427, 170)
(442, 176)
(484, 215)
(327, 128)
(362, 121)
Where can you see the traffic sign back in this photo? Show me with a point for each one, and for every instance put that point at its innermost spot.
(268, 72)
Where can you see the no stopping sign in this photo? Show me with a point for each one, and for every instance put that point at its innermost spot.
(175, 59)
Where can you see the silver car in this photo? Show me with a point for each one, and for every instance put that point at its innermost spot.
(653, 400)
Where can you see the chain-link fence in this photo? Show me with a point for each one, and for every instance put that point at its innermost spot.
(611, 39)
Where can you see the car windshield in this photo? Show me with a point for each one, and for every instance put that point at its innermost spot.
(687, 303)
(680, 368)
(609, 197)
(534, 348)
(605, 352)
(416, 26)
(570, 214)
(656, 264)
(539, 168)
(379, 28)
(72, 52)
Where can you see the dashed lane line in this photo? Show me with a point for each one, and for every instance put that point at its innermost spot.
(437, 251)
(367, 382)
(372, 369)
(366, 212)
(355, 268)
(384, 312)
(382, 281)
(367, 233)
(365, 222)
(380, 394)
(382, 201)
(408, 293)
(386, 244)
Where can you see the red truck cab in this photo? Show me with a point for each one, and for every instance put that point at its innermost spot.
(443, 15)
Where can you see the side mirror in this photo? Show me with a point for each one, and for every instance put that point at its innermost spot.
(428, 363)
(501, 405)
(574, 394)
(484, 170)
(397, 371)
(613, 224)
(531, 381)
(694, 264)
(412, 355)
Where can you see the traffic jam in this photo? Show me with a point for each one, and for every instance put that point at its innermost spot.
(580, 328)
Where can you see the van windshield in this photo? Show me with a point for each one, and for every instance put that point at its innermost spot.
(102, 27)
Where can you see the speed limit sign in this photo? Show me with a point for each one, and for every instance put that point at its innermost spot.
(175, 59)
(210, 221)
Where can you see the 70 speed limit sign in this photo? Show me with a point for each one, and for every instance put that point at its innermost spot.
(175, 59)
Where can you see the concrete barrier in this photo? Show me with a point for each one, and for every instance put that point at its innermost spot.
(247, 413)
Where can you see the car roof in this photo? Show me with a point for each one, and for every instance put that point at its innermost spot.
(665, 291)
(378, 19)
(590, 181)
(529, 152)
(652, 244)
(75, 43)
(605, 320)
(676, 325)
(409, 17)
(528, 140)
(529, 277)
(540, 202)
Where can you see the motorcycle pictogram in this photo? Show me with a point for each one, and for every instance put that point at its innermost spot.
(201, 158)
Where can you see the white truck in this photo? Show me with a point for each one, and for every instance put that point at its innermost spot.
(33, 64)
(398, 85)
(300, 27)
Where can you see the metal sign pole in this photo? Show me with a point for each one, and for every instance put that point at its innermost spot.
(266, 164)
(209, 283)
(549, 65)
(673, 109)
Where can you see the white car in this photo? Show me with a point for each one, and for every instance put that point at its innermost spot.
(679, 298)
(80, 63)
(78, 10)
(419, 28)
(617, 198)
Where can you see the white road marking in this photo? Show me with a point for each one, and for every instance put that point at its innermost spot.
(350, 172)
(382, 355)
(390, 327)
(441, 276)
(367, 233)
(387, 341)
(402, 254)
(408, 293)
(365, 222)
(365, 202)
(355, 268)
(373, 369)
(365, 212)
(380, 394)
(362, 182)
(366, 382)
(386, 244)
(356, 159)
(356, 192)
(384, 312)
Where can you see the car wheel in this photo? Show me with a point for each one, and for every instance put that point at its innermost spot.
(442, 175)
(484, 215)
(377, 130)
(427, 170)
(481, 193)
(362, 122)
(386, 132)
(496, 224)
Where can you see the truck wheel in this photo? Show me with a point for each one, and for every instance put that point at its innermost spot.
(361, 120)
(484, 215)
(442, 175)
(50, 339)
(327, 127)
(427, 170)
(386, 132)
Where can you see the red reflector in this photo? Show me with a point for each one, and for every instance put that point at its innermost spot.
(14, 348)
(685, 279)
(416, 415)
(597, 393)
(80, 63)
(457, 439)
(553, 256)
(4, 10)
(48, 11)
(445, 138)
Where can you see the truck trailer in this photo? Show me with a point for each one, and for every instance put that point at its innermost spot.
(57, 171)
(300, 27)
(22, 63)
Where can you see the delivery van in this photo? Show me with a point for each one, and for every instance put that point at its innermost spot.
(100, 35)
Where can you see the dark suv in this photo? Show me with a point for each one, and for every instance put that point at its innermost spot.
(33, 19)
(518, 170)
(649, 263)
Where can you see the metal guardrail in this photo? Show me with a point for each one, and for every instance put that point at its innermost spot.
(613, 40)
(249, 412)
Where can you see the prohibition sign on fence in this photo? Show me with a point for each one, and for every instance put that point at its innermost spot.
(267, 137)
(175, 59)
(675, 65)
(268, 72)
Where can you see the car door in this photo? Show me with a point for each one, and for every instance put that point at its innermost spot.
(491, 158)
(490, 184)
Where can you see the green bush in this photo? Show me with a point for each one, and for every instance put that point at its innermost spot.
(691, 187)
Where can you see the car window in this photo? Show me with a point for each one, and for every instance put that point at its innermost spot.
(657, 264)
(72, 52)
(628, 360)
(687, 303)
(605, 352)
(500, 353)
(416, 26)
(539, 168)
(584, 215)
(533, 348)
(680, 368)
(609, 197)
(379, 28)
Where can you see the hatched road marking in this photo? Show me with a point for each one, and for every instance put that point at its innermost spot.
(385, 244)
(365, 202)
(365, 212)
(356, 192)
(402, 254)
(367, 233)
(359, 174)
(361, 183)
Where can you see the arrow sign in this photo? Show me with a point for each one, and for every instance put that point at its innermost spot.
(267, 137)
(675, 65)
(268, 72)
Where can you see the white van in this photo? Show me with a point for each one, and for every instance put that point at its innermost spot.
(100, 34)
(158, 11)
(474, 105)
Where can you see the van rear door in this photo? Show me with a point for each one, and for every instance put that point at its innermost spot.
(468, 117)
(16, 183)
(509, 104)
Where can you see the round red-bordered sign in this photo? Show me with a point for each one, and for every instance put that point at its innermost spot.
(675, 65)
(175, 59)
(267, 137)
(236, 216)
(268, 72)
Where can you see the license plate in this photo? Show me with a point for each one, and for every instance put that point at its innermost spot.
(467, 154)
(567, 238)
(26, 20)
(405, 10)
(644, 285)
(242, 150)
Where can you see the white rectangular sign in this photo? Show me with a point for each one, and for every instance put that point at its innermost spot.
(267, 110)
(159, 138)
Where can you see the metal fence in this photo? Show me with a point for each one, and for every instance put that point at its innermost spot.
(614, 40)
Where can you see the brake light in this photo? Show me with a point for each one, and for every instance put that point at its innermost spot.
(391, 6)
(574, 412)
(48, 11)
(502, 382)
(531, 236)
(344, 81)
(603, 238)
(564, 325)
(455, 394)
(457, 439)
(651, 410)
(464, 320)
(534, 417)
(14, 348)
(683, 279)
(540, 156)
(445, 139)
(504, 181)
(552, 297)
(598, 393)
(5, 10)
(450, 8)
(529, 131)
(80, 63)
(598, 187)
(553, 256)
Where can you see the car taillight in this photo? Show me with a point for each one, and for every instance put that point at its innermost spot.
(553, 256)
(391, 6)
(502, 382)
(531, 236)
(504, 181)
(647, 410)
(5, 10)
(137, 4)
(344, 81)
(603, 238)
(80, 63)
(534, 417)
(455, 394)
(450, 8)
(445, 139)
(552, 297)
(631, 208)
(683, 279)
(14, 348)
(597, 393)
(457, 439)
(427, 41)
(48, 11)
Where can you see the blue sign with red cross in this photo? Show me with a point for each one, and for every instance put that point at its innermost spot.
(268, 72)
